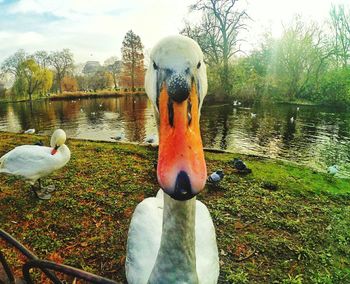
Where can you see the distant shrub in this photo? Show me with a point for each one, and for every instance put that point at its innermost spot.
(334, 88)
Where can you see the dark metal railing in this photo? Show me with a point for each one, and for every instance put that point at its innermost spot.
(47, 267)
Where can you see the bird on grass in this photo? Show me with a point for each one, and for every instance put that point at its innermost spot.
(171, 236)
(33, 162)
(240, 166)
(118, 137)
(150, 139)
(29, 131)
(333, 170)
(39, 143)
(215, 177)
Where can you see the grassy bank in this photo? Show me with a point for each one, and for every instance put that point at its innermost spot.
(280, 224)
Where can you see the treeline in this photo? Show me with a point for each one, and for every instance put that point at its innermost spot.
(308, 62)
(42, 73)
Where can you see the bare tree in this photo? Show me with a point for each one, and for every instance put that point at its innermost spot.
(42, 58)
(12, 64)
(62, 62)
(218, 32)
(113, 66)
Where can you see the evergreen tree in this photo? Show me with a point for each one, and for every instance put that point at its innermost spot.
(132, 57)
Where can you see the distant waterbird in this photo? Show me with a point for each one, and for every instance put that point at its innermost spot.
(333, 170)
(252, 115)
(33, 162)
(29, 131)
(118, 137)
(291, 119)
(151, 139)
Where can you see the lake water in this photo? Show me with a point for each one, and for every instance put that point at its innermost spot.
(318, 137)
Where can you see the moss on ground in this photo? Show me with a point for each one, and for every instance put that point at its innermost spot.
(280, 224)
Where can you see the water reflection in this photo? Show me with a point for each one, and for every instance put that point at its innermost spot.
(318, 137)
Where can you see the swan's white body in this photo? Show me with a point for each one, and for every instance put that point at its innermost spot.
(172, 241)
(145, 234)
(32, 162)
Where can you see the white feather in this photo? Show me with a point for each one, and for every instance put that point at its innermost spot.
(144, 241)
(178, 53)
(32, 162)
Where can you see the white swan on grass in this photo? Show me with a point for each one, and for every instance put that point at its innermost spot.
(172, 237)
(33, 162)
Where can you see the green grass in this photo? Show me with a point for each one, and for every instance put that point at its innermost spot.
(280, 224)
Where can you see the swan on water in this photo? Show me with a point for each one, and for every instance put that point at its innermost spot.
(33, 162)
(171, 236)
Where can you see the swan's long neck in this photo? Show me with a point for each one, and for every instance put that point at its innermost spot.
(176, 260)
(64, 150)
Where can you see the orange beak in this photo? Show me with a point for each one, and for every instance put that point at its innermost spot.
(54, 150)
(181, 168)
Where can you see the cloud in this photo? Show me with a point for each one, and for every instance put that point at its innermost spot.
(88, 28)
(68, 8)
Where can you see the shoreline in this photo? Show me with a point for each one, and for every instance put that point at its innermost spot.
(208, 150)
(78, 95)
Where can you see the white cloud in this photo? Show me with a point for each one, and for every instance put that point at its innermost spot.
(30, 38)
(98, 27)
(95, 29)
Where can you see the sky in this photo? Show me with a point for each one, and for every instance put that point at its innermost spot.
(94, 29)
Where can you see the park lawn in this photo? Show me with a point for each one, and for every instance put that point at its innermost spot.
(280, 224)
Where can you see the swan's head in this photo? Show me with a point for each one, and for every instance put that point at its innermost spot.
(58, 138)
(176, 83)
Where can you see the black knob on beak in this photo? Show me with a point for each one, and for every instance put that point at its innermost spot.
(183, 189)
(178, 87)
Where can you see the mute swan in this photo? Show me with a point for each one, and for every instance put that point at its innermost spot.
(171, 236)
(33, 162)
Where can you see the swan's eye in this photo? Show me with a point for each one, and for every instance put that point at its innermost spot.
(198, 65)
(155, 66)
